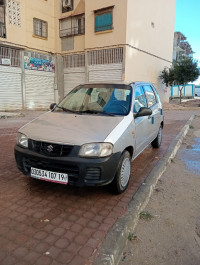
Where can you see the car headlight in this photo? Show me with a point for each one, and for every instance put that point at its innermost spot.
(96, 150)
(22, 140)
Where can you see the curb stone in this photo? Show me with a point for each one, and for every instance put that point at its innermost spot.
(114, 243)
(5, 115)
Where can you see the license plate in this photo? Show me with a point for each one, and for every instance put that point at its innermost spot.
(49, 175)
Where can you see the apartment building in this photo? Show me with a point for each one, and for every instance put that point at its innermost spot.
(181, 47)
(49, 46)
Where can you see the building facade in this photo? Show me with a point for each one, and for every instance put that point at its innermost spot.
(181, 47)
(49, 46)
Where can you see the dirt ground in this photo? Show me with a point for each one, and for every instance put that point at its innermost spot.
(186, 103)
(168, 231)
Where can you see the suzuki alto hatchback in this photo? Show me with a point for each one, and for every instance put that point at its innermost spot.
(91, 136)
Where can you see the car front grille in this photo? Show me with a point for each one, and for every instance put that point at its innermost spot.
(49, 149)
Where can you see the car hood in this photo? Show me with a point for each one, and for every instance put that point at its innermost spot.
(69, 128)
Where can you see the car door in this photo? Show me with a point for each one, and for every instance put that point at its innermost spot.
(152, 103)
(142, 124)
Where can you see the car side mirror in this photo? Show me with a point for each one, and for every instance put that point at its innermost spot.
(143, 112)
(52, 106)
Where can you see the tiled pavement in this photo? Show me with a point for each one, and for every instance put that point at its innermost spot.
(45, 223)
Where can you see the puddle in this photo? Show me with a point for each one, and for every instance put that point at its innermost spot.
(191, 157)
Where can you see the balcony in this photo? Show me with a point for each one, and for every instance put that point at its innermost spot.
(2, 30)
(72, 32)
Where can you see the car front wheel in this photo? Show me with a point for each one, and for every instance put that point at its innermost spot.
(121, 180)
(157, 141)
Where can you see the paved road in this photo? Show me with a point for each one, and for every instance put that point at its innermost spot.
(45, 223)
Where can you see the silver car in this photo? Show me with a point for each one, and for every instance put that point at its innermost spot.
(92, 135)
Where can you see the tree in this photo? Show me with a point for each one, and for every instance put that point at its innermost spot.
(180, 73)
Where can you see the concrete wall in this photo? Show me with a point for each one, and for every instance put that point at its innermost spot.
(22, 36)
(150, 32)
(109, 38)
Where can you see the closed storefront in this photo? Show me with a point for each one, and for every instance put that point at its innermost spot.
(74, 71)
(39, 80)
(10, 79)
(10, 88)
(39, 89)
(105, 65)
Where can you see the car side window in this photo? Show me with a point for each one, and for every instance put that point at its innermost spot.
(140, 99)
(151, 98)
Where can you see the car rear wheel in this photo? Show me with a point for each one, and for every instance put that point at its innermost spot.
(157, 141)
(121, 180)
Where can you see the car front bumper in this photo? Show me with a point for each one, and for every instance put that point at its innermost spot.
(81, 171)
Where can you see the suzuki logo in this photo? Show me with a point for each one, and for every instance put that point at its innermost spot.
(50, 148)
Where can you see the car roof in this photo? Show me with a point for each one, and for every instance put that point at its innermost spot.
(116, 83)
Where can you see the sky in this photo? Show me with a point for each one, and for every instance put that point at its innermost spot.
(187, 21)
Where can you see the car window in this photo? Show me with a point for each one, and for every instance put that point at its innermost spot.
(77, 99)
(113, 99)
(151, 98)
(140, 99)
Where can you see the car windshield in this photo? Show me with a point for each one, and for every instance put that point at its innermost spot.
(98, 99)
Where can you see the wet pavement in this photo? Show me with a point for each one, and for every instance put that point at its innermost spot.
(46, 223)
(191, 156)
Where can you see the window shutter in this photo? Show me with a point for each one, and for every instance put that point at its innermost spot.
(103, 22)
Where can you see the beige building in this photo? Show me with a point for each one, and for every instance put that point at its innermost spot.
(49, 46)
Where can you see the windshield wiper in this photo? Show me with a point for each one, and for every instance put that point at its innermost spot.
(68, 110)
(97, 112)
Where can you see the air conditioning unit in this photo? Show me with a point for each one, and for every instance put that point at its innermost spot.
(67, 3)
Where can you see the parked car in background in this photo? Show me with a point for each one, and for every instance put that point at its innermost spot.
(92, 135)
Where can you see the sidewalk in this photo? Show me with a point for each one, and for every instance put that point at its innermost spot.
(168, 231)
(46, 223)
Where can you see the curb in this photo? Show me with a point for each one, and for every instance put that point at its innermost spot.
(5, 115)
(114, 243)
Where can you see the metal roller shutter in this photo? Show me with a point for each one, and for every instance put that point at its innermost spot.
(73, 77)
(105, 72)
(10, 88)
(39, 87)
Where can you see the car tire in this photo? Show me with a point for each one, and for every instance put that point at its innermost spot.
(158, 140)
(122, 177)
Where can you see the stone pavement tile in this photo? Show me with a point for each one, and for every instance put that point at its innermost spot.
(42, 247)
(31, 257)
(78, 218)
(54, 252)
(44, 260)
(62, 243)
(86, 252)
(78, 260)
(9, 260)
(20, 252)
(3, 254)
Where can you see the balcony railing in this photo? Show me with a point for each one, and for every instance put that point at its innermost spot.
(72, 32)
(2, 30)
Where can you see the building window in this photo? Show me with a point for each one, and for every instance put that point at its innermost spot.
(104, 19)
(9, 56)
(2, 20)
(40, 28)
(74, 60)
(67, 5)
(72, 26)
(106, 56)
